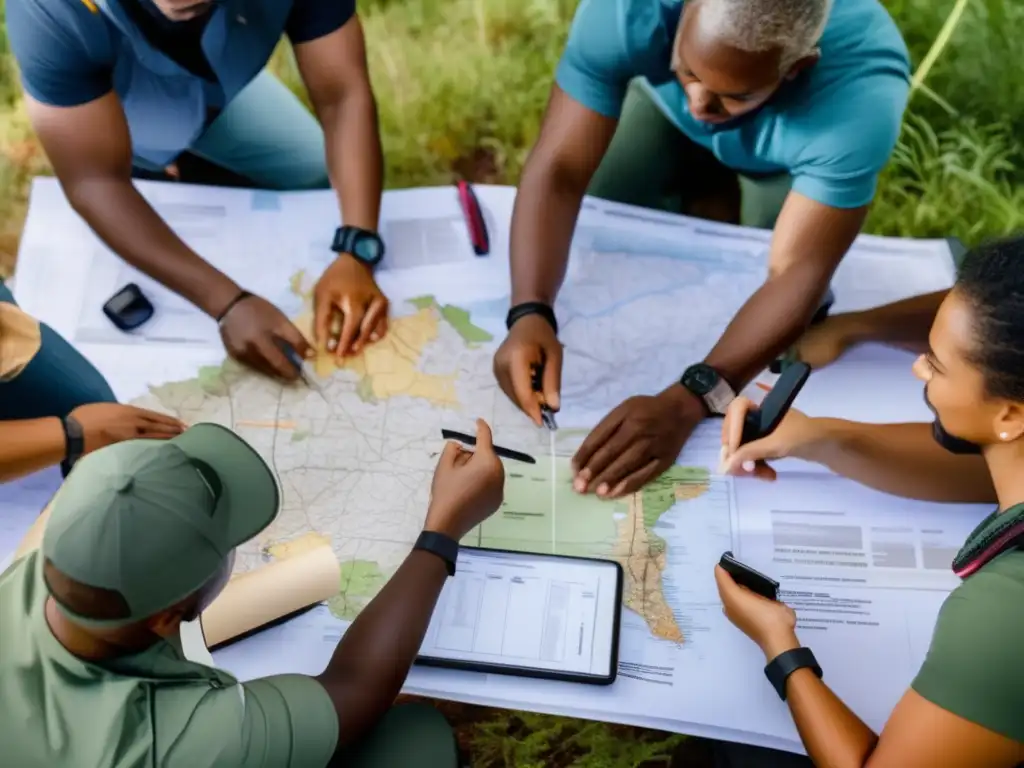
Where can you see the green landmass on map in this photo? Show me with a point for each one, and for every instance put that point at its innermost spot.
(666, 491)
(456, 317)
(360, 581)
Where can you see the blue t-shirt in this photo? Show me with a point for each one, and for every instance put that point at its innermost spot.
(66, 51)
(832, 128)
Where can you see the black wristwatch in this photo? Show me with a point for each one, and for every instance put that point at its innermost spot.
(785, 664)
(360, 243)
(519, 311)
(707, 384)
(74, 443)
(438, 544)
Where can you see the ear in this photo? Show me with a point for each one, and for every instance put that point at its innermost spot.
(1009, 423)
(803, 64)
(166, 623)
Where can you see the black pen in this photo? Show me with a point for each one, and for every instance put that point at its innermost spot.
(506, 453)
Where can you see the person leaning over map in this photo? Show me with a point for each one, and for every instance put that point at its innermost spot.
(801, 99)
(48, 390)
(965, 708)
(116, 88)
(142, 537)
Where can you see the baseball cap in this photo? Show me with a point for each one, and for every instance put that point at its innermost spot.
(154, 519)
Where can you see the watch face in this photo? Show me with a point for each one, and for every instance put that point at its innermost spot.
(368, 248)
(701, 379)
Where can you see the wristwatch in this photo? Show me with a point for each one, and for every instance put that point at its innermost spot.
(438, 544)
(785, 664)
(707, 384)
(74, 443)
(363, 244)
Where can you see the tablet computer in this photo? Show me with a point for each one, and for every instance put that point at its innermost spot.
(529, 615)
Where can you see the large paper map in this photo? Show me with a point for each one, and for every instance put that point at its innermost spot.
(355, 456)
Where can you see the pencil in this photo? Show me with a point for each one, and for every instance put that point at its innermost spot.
(506, 453)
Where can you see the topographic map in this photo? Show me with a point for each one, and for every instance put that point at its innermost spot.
(355, 456)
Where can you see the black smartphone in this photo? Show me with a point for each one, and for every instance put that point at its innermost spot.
(747, 577)
(129, 308)
(763, 421)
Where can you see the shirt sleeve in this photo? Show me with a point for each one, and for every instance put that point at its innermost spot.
(847, 140)
(289, 721)
(973, 664)
(64, 50)
(595, 69)
(311, 19)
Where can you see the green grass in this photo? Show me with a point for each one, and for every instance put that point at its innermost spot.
(461, 86)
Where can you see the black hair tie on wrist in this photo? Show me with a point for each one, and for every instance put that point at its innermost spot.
(242, 295)
(519, 311)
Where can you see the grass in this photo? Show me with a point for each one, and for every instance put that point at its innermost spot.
(461, 86)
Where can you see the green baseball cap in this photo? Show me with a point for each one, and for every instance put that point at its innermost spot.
(154, 520)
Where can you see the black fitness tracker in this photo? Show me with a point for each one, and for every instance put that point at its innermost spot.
(519, 311)
(364, 245)
(785, 664)
(707, 384)
(74, 443)
(438, 544)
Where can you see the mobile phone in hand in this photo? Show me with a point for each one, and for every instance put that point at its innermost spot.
(747, 577)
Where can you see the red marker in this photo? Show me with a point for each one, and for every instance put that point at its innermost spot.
(474, 219)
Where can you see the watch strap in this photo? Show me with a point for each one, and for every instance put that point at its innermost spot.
(785, 664)
(438, 544)
(347, 236)
(74, 443)
(519, 311)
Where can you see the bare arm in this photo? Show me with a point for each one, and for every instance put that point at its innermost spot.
(572, 143)
(371, 662)
(901, 459)
(333, 67)
(810, 240)
(28, 445)
(903, 323)
(90, 149)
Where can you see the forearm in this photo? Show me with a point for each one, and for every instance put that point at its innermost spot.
(372, 660)
(771, 320)
(29, 445)
(903, 323)
(354, 157)
(833, 735)
(130, 227)
(543, 220)
(901, 459)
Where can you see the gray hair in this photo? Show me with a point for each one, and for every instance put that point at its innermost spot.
(793, 26)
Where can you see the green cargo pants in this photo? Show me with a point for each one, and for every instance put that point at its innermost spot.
(651, 163)
(409, 736)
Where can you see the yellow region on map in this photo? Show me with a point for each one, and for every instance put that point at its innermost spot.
(388, 367)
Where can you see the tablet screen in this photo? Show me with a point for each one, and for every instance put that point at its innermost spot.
(529, 614)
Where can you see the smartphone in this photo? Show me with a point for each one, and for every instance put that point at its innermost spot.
(129, 308)
(776, 404)
(747, 577)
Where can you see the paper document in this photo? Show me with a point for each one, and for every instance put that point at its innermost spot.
(645, 294)
(527, 611)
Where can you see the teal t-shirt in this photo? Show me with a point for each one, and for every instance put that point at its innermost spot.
(153, 709)
(832, 129)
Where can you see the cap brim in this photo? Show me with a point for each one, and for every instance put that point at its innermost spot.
(249, 494)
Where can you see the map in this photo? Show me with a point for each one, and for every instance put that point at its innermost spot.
(355, 456)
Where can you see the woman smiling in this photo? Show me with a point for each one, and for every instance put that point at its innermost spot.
(965, 707)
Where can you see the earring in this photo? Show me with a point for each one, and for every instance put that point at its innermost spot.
(1004, 435)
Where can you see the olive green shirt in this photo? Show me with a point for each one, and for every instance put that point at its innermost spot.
(973, 667)
(155, 708)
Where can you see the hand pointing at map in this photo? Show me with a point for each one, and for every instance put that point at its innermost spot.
(531, 342)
